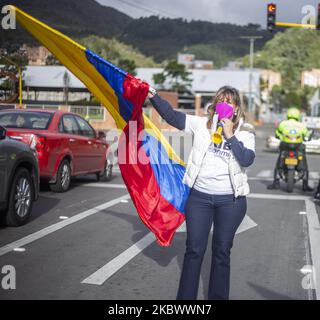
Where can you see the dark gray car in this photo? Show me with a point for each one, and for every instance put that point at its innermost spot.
(19, 180)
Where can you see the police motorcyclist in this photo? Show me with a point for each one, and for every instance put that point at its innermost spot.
(287, 127)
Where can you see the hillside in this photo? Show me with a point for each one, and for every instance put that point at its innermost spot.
(114, 51)
(159, 38)
(162, 38)
(73, 17)
(289, 53)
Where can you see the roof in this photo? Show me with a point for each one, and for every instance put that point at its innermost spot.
(50, 77)
(203, 80)
(211, 80)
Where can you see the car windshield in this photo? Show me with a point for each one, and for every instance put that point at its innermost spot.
(25, 120)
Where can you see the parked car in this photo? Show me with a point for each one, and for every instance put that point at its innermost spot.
(312, 146)
(65, 143)
(19, 176)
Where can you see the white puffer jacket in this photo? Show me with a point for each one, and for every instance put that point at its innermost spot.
(202, 138)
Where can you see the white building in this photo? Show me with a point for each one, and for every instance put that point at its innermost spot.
(47, 83)
(310, 78)
(207, 82)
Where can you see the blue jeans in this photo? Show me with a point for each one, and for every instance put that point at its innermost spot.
(226, 213)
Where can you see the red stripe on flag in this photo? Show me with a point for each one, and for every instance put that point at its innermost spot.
(135, 91)
(159, 215)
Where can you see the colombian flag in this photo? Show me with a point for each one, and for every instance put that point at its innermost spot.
(149, 166)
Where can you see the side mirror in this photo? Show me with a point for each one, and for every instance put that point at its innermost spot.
(3, 133)
(101, 135)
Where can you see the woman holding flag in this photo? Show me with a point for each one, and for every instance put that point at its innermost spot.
(214, 184)
(216, 175)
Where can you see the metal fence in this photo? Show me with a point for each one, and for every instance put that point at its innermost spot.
(91, 112)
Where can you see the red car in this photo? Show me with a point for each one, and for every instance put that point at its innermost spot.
(66, 144)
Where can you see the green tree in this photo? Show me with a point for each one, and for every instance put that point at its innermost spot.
(177, 74)
(17, 58)
(159, 79)
(117, 52)
(290, 52)
(128, 65)
(52, 61)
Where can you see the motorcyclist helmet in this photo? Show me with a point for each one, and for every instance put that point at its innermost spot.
(293, 113)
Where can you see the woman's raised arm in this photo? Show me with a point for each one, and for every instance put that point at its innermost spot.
(175, 118)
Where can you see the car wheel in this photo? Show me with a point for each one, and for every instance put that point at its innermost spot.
(107, 173)
(20, 199)
(63, 177)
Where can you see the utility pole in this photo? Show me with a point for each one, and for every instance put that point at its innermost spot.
(252, 39)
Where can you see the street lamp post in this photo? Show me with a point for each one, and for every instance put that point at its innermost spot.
(252, 39)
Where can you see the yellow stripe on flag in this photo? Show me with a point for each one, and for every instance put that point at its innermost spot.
(72, 56)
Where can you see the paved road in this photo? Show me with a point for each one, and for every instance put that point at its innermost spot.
(89, 243)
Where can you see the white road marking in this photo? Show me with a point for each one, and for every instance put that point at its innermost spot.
(104, 273)
(259, 179)
(109, 269)
(63, 217)
(306, 269)
(302, 212)
(105, 185)
(310, 279)
(246, 224)
(313, 175)
(264, 174)
(276, 196)
(314, 236)
(271, 179)
(59, 225)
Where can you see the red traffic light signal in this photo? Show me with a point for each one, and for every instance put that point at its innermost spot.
(271, 18)
(272, 7)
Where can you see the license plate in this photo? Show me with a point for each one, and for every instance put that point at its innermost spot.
(291, 161)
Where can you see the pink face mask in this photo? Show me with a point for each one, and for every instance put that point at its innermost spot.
(224, 110)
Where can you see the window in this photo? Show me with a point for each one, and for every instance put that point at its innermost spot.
(85, 128)
(25, 120)
(69, 125)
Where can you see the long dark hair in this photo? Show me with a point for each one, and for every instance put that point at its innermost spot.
(230, 95)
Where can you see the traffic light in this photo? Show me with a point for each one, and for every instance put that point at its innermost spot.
(318, 18)
(271, 21)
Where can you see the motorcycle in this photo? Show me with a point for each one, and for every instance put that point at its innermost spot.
(292, 165)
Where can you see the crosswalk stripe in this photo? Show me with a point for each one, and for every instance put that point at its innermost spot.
(269, 174)
(57, 226)
(104, 273)
(105, 185)
(109, 269)
(264, 174)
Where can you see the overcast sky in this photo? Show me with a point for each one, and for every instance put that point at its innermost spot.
(233, 11)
